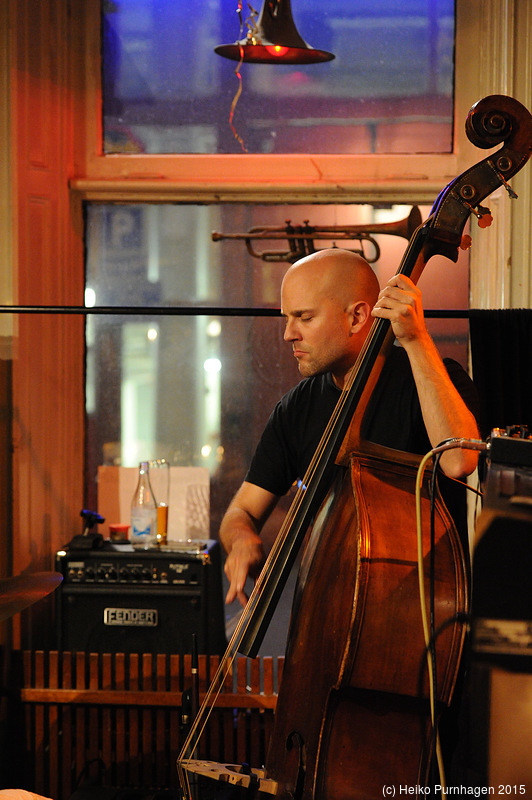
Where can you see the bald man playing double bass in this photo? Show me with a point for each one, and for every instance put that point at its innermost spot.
(329, 301)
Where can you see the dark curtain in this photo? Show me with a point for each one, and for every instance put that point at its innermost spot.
(501, 352)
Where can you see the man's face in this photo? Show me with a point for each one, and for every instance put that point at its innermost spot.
(317, 325)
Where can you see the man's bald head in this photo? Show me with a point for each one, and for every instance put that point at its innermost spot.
(338, 274)
(326, 299)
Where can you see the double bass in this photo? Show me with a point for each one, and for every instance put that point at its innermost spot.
(357, 710)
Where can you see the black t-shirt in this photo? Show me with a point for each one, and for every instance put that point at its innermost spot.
(393, 419)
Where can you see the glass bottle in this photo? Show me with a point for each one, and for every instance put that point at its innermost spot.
(143, 511)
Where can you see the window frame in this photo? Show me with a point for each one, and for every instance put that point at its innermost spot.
(309, 178)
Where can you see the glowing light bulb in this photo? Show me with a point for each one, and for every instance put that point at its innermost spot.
(277, 50)
(214, 328)
(212, 365)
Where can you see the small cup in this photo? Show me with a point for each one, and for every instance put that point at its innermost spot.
(118, 532)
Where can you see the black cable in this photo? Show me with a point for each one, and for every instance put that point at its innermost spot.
(144, 311)
(185, 311)
(431, 646)
(461, 617)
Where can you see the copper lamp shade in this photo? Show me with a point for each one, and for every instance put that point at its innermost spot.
(274, 40)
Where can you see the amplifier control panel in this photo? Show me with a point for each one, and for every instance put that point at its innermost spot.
(153, 567)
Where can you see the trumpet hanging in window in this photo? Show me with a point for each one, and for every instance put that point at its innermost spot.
(301, 239)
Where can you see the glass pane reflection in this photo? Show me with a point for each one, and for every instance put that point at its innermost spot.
(389, 89)
(196, 388)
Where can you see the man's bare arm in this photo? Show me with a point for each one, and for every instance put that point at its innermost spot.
(445, 414)
(239, 533)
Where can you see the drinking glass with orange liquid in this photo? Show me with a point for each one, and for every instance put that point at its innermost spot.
(160, 482)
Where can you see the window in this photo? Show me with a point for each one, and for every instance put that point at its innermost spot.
(389, 88)
(192, 370)
(196, 384)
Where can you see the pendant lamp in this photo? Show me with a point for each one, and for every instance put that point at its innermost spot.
(273, 40)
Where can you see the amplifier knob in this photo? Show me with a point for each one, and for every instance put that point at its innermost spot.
(123, 574)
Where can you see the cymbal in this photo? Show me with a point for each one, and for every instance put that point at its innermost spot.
(22, 591)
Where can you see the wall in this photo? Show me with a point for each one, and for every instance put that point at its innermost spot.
(501, 59)
(47, 405)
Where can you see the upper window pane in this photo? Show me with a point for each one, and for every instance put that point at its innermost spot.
(388, 90)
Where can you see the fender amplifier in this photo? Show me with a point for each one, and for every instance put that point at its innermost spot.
(120, 600)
